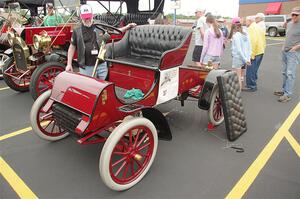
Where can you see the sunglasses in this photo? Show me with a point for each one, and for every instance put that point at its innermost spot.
(295, 15)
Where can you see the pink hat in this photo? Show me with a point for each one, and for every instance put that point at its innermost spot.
(86, 12)
(236, 20)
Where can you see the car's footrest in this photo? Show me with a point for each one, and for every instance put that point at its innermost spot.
(129, 108)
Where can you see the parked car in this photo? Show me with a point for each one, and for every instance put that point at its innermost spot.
(275, 25)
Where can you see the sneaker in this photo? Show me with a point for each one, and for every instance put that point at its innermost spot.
(246, 89)
(284, 98)
(279, 93)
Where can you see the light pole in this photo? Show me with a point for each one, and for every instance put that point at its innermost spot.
(174, 18)
(175, 6)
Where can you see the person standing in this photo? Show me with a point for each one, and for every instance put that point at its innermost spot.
(212, 43)
(258, 45)
(87, 40)
(52, 19)
(260, 21)
(290, 57)
(199, 35)
(240, 49)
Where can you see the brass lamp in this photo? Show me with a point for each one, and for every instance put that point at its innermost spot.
(41, 41)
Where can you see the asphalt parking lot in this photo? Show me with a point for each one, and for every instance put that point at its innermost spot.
(195, 164)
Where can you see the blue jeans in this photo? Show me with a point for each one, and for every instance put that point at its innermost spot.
(251, 72)
(101, 70)
(290, 60)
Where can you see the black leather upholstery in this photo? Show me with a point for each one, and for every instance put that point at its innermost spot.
(233, 109)
(147, 44)
(112, 20)
(138, 18)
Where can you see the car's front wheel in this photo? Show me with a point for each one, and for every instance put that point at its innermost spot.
(128, 153)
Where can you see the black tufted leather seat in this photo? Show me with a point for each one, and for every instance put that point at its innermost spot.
(139, 18)
(146, 45)
(112, 20)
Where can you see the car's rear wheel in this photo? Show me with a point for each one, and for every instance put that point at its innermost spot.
(43, 77)
(215, 111)
(282, 34)
(19, 82)
(273, 32)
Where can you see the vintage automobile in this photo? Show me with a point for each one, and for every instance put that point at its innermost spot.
(36, 56)
(39, 54)
(148, 58)
(130, 11)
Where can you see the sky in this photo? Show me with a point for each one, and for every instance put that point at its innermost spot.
(225, 8)
(217, 7)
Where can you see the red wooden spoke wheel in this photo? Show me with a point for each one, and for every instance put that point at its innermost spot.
(128, 153)
(43, 123)
(215, 112)
(43, 77)
(17, 84)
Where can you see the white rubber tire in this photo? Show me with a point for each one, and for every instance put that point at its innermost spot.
(33, 118)
(210, 111)
(110, 144)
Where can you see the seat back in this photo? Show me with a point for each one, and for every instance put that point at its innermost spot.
(152, 41)
(112, 20)
(151, 46)
(140, 18)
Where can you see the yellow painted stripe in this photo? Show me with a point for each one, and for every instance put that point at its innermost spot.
(4, 88)
(291, 119)
(15, 181)
(250, 175)
(19, 132)
(295, 145)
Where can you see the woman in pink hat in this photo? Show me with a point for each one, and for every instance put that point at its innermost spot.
(240, 48)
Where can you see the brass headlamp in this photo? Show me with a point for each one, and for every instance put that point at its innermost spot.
(41, 41)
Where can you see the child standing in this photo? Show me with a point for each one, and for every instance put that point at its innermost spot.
(212, 43)
(240, 48)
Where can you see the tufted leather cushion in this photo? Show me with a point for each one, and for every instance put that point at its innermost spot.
(233, 109)
(145, 45)
(139, 18)
(153, 41)
(112, 20)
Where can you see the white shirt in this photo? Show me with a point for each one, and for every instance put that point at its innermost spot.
(201, 23)
(262, 25)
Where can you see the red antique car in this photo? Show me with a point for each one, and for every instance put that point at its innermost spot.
(148, 58)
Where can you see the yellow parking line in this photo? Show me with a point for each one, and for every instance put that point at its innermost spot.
(250, 175)
(4, 88)
(295, 145)
(19, 132)
(15, 181)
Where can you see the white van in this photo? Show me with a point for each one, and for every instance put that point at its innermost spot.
(275, 24)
